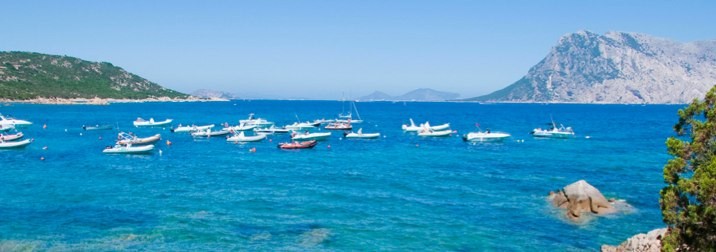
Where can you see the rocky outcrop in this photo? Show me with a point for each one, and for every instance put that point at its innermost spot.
(649, 242)
(581, 198)
(617, 67)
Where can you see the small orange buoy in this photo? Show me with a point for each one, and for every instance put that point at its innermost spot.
(169, 142)
(44, 126)
(252, 150)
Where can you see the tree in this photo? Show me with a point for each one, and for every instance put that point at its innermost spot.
(688, 202)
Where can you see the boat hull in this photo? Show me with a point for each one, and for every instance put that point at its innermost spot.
(444, 133)
(243, 139)
(15, 145)
(151, 123)
(129, 149)
(141, 141)
(485, 137)
(311, 136)
(12, 137)
(362, 136)
(296, 146)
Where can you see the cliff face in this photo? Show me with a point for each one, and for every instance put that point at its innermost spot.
(25, 75)
(616, 67)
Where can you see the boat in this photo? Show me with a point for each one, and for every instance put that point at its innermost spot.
(5, 120)
(11, 137)
(298, 145)
(240, 137)
(301, 126)
(270, 130)
(191, 128)
(554, 131)
(6, 127)
(125, 139)
(362, 135)
(412, 127)
(128, 149)
(310, 136)
(485, 136)
(151, 123)
(439, 127)
(210, 133)
(15, 144)
(97, 127)
(348, 117)
(259, 122)
(340, 126)
(240, 127)
(428, 131)
(322, 121)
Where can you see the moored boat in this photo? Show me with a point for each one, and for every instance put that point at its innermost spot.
(298, 145)
(411, 127)
(210, 133)
(191, 128)
(310, 136)
(6, 127)
(301, 126)
(11, 137)
(339, 126)
(485, 136)
(554, 131)
(4, 120)
(270, 130)
(240, 127)
(362, 135)
(259, 122)
(97, 127)
(14, 144)
(241, 137)
(128, 149)
(150, 123)
(125, 139)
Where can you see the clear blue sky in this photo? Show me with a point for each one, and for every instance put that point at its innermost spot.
(322, 49)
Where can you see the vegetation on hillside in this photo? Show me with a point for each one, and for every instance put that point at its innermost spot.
(25, 75)
(688, 202)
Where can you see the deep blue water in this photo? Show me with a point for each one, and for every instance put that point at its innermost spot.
(399, 192)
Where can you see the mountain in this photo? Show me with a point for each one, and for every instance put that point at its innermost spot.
(213, 94)
(27, 75)
(376, 96)
(421, 94)
(427, 94)
(616, 67)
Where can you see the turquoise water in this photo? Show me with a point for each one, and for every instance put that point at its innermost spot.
(399, 192)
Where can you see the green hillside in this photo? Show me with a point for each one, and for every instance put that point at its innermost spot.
(26, 75)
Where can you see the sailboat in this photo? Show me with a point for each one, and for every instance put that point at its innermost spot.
(348, 117)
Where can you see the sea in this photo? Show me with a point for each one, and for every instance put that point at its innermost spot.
(400, 192)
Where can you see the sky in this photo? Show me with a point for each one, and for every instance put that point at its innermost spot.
(332, 49)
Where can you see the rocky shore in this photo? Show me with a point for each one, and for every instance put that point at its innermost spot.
(106, 101)
(639, 243)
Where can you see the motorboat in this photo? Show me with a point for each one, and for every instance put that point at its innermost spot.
(438, 127)
(310, 136)
(11, 137)
(298, 145)
(240, 127)
(15, 144)
(360, 134)
(97, 127)
(322, 121)
(128, 149)
(150, 123)
(240, 137)
(209, 133)
(301, 126)
(270, 130)
(6, 127)
(259, 122)
(428, 131)
(554, 131)
(125, 139)
(485, 136)
(4, 120)
(339, 126)
(412, 127)
(191, 128)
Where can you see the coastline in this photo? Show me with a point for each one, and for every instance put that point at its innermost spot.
(105, 101)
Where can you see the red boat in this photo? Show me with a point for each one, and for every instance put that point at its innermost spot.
(297, 145)
(10, 137)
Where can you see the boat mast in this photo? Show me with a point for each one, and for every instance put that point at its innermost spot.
(356, 108)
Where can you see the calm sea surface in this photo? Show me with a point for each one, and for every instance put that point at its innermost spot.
(400, 192)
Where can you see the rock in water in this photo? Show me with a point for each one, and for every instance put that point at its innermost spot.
(580, 197)
(639, 243)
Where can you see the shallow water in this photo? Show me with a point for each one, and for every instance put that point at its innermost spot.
(399, 192)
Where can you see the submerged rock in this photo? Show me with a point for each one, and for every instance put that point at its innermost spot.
(639, 243)
(579, 198)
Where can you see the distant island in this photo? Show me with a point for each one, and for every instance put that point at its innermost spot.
(421, 94)
(617, 67)
(43, 78)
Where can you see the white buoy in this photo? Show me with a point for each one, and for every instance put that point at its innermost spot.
(65, 130)
(587, 137)
(80, 133)
(160, 152)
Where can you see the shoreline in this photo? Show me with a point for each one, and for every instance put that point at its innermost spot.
(105, 101)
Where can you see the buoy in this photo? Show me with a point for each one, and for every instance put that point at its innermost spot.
(587, 137)
(44, 147)
(417, 145)
(169, 143)
(42, 158)
(160, 152)
(65, 130)
(100, 137)
(252, 150)
(329, 146)
(80, 133)
(44, 126)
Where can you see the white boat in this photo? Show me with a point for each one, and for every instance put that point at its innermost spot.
(348, 117)
(310, 136)
(554, 132)
(191, 128)
(128, 149)
(244, 138)
(151, 123)
(16, 144)
(97, 127)
(322, 121)
(428, 131)
(210, 133)
(439, 127)
(485, 136)
(270, 130)
(9, 121)
(412, 127)
(259, 122)
(240, 127)
(125, 139)
(301, 126)
(11, 137)
(6, 127)
(362, 135)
